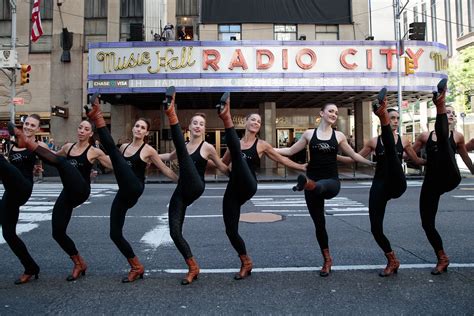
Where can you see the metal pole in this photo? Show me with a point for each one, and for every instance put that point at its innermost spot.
(370, 18)
(13, 81)
(399, 86)
(413, 124)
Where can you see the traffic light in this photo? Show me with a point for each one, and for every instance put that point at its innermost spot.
(25, 74)
(409, 66)
(416, 31)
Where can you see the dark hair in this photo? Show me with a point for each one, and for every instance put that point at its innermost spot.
(147, 122)
(35, 116)
(391, 110)
(90, 123)
(198, 114)
(250, 114)
(93, 129)
(326, 105)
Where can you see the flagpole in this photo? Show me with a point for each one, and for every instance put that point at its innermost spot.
(13, 79)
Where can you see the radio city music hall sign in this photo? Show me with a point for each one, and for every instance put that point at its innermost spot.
(252, 59)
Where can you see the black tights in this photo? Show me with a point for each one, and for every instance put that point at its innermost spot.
(325, 189)
(190, 187)
(391, 186)
(241, 187)
(75, 191)
(130, 189)
(62, 213)
(17, 192)
(441, 176)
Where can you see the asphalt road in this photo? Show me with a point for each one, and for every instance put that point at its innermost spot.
(286, 256)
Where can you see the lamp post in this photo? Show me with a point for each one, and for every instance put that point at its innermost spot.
(397, 12)
(13, 79)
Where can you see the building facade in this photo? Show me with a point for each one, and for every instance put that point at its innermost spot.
(282, 64)
(450, 22)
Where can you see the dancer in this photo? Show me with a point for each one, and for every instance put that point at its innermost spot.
(389, 180)
(245, 157)
(322, 181)
(442, 173)
(17, 178)
(129, 166)
(82, 156)
(76, 191)
(192, 159)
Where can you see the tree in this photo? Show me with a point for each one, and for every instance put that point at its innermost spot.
(461, 79)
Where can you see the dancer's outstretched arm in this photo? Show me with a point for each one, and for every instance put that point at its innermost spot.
(271, 153)
(215, 159)
(407, 147)
(298, 146)
(369, 147)
(470, 145)
(152, 156)
(347, 149)
(462, 151)
(98, 155)
(168, 156)
(420, 141)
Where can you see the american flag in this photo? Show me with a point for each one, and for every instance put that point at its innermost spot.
(36, 29)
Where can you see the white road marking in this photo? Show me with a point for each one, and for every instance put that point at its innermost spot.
(38, 208)
(341, 204)
(309, 269)
(160, 235)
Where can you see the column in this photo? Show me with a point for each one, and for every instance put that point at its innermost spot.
(363, 122)
(267, 111)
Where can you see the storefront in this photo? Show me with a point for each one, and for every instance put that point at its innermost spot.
(286, 82)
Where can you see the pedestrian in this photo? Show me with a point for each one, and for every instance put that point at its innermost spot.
(82, 155)
(192, 158)
(322, 180)
(52, 145)
(389, 180)
(16, 175)
(442, 173)
(181, 35)
(129, 164)
(245, 157)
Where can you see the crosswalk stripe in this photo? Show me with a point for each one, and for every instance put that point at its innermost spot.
(39, 207)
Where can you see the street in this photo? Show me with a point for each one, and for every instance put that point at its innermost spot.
(286, 256)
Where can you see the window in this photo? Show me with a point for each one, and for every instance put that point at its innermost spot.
(284, 32)
(229, 32)
(131, 8)
(447, 18)
(95, 22)
(434, 32)
(187, 8)
(415, 14)
(405, 23)
(327, 32)
(459, 26)
(131, 17)
(5, 10)
(423, 12)
(5, 22)
(45, 43)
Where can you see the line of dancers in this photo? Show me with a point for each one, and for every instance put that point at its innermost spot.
(75, 160)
